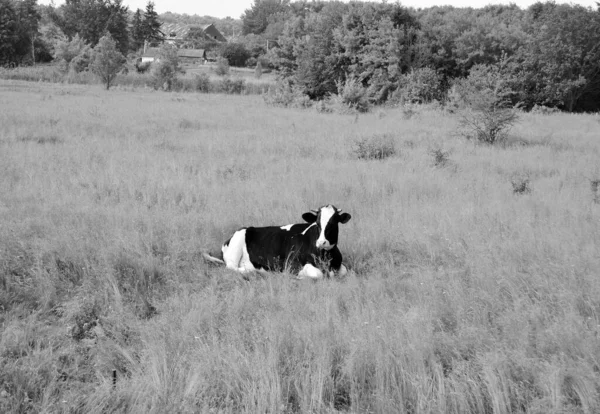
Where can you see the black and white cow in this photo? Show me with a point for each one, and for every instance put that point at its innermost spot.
(302, 247)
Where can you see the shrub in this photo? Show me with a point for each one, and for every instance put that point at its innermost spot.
(440, 157)
(488, 113)
(164, 72)
(375, 147)
(222, 67)
(420, 86)
(202, 82)
(142, 67)
(353, 94)
(235, 53)
(232, 86)
(521, 184)
(66, 51)
(287, 95)
(595, 186)
(82, 61)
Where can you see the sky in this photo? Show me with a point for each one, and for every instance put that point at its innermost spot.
(235, 8)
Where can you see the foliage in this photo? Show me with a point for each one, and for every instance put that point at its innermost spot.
(231, 86)
(165, 67)
(82, 61)
(353, 95)
(202, 82)
(222, 66)
(235, 53)
(421, 85)
(256, 19)
(65, 51)
(375, 147)
(137, 31)
(488, 114)
(151, 25)
(91, 19)
(107, 61)
(8, 31)
(286, 95)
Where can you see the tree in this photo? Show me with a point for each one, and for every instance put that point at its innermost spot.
(28, 18)
(235, 53)
(151, 25)
(256, 18)
(8, 31)
(91, 19)
(107, 61)
(137, 31)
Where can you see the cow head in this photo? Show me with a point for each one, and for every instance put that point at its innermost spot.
(327, 219)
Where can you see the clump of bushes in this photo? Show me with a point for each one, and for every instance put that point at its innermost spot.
(222, 67)
(231, 86)
(164, 72)
(202, 82)
(441, 158)
(375, 147)
(419, 86)
(353, 94)
(287, 95)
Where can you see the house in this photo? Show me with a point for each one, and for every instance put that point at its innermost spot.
(213, 33)
(197, 56)
(150, 54)
(194, 56)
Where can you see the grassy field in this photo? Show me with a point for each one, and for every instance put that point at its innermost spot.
(474, 283)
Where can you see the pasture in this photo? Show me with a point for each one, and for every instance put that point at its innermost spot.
(465, 294)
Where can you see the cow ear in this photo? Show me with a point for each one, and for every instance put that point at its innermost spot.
(310, 217)
(344, 218)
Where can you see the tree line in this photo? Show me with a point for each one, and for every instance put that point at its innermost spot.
(547, 54)
(31, 33)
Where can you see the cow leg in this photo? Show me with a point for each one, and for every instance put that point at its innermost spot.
(310, 271)
(342, 271)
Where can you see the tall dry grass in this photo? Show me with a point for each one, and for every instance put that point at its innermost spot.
(463, 295)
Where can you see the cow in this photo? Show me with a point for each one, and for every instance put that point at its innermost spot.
(302, 247)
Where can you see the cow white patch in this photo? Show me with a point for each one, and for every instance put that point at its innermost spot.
(287, 227)
(327, 213)
(306, 229)
(235, 254)
(343, 271)
(310, 271)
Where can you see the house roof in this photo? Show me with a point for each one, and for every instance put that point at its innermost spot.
(151, 52)
(191, 53)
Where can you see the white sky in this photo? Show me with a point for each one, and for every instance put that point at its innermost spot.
(235, 8)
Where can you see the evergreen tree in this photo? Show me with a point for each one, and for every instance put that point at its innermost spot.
(117, 24)
(137, 31)
(152, 32)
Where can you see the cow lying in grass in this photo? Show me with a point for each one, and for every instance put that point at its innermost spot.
(304, 247)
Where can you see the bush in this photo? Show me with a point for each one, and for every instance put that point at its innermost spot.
(235, 53)
(82, 61)
(142, 67)
(202, 82)
(164, 72)
(488, 114)
(232, 86)
(353, 95)
(375, 147)
(420, 86)
(222, 67)
(287, 95)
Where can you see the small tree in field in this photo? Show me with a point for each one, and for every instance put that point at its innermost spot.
(107, 61)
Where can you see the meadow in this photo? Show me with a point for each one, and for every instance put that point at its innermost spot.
(474, 270)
